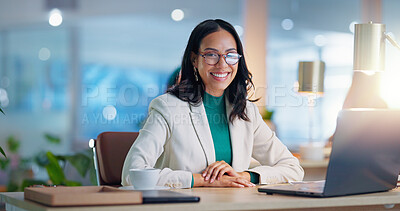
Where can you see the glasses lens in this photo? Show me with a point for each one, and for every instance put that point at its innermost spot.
(211, 58)
(232, 58)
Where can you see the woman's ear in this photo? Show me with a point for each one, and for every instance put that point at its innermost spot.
(193, 59)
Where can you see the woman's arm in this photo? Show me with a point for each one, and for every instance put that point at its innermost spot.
(224, 181)
(277, 163)
(149, 146)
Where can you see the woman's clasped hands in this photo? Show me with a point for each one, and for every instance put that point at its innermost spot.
(221, 174)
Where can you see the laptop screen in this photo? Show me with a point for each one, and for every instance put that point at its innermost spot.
(365, 152)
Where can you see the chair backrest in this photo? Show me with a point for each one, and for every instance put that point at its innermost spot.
(110, 150)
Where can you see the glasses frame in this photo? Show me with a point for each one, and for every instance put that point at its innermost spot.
(219, 57)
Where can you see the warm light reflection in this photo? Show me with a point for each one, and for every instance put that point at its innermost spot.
(368, 72)
(390, 86)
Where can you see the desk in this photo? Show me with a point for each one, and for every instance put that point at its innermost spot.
(233, 199)
(314, 170)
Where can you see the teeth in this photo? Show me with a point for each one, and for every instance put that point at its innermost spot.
(219, 75)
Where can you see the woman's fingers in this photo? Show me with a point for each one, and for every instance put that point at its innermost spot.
(216, 170)
(219, 171)
(228, 181)
(244, 182)
(211, 168)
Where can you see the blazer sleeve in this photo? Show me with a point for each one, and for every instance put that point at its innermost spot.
(149, 146)
(277, 163)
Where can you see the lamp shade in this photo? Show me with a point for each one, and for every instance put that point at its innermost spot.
(369, 47)
(311, 76)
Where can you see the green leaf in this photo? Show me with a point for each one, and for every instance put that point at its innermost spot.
(31, 182)
(13, 144)
(12, 187)
(2, 152)
(52, 139)
(92, 170)
(55, 172)
(80, 161)
(268, 114)
(72, 183)
(4, 163)
(93, 176)
(41, 159)
(1, 110)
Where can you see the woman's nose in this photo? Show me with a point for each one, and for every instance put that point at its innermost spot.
(221, 63)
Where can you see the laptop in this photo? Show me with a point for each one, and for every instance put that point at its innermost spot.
(365, 157)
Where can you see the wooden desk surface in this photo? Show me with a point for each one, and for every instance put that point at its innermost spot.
(234, 199)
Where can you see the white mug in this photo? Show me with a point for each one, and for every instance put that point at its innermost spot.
(144, 178)
(312, 151)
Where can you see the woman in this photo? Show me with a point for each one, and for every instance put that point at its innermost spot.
(204, 131)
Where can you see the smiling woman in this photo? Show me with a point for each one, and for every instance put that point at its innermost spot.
(204, 131)
(217, 75)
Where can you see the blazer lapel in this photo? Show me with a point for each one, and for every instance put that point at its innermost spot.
(202, 128)
(237, 138)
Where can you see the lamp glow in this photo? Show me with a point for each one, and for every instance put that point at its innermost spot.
(109, 112)
(44, 54)
(352, 25)
(320, 40)
(287, 24)
(177, 15)
(390, 87)
(55, 17)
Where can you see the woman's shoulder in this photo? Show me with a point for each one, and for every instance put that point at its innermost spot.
(251, 106)
(168, 100)
(251, 109)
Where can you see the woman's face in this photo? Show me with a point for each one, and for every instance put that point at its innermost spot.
(216, 78)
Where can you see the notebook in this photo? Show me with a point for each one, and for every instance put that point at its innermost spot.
(365, 157)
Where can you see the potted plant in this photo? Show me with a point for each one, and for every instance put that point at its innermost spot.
(54, 165)
(267, 116)
(19, 170)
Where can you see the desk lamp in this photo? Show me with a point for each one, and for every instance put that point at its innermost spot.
(311, 84)
(368, 66)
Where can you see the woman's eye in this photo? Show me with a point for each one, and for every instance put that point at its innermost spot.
(232, 55)
(212, 55)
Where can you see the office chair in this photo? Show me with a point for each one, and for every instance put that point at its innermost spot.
(109, 152)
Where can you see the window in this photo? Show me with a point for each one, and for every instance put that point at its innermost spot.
(306, 31)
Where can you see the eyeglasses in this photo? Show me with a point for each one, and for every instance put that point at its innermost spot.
(213, 58)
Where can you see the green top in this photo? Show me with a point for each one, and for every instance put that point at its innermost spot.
(218, 122)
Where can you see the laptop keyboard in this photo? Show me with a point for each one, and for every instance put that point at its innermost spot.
(311, 186)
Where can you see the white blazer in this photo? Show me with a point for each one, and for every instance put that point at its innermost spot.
(176, 138)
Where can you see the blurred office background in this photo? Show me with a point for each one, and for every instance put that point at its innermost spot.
(100, 67)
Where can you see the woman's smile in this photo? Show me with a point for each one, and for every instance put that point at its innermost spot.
(219, 76)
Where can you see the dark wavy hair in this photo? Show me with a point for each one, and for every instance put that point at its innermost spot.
(192, 91)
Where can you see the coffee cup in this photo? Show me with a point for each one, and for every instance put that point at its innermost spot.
(144, 178)
(312, 151)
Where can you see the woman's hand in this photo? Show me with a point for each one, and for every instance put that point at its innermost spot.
(224, 181)
(216, 170)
